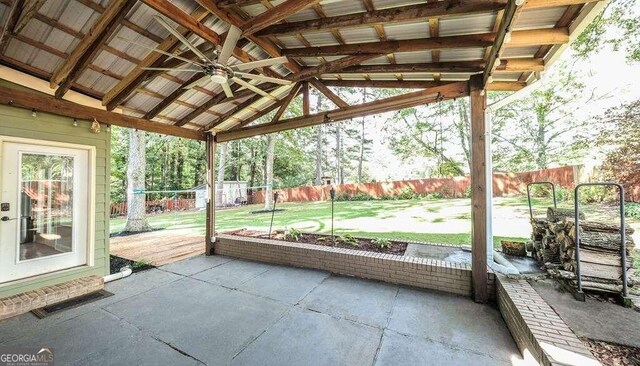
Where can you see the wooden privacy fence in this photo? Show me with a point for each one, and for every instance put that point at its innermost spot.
(157, 206)
(504, 184)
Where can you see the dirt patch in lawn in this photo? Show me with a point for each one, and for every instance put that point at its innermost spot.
(368, 245)
(117, 263)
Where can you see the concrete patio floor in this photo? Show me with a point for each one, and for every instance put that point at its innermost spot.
(221, 311)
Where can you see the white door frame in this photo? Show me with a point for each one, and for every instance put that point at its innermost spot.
(89, 224)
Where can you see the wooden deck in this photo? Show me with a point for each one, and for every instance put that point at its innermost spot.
(158, 247)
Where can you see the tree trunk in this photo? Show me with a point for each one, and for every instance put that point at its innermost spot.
(463, 129)
(319, 146)
(361, 157)
(221, 167)
(268, 194)
(136, 206)
(339, 176)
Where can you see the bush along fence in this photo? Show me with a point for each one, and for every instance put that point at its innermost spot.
(504, 184)
(157, 206)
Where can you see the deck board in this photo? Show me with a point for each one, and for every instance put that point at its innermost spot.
(158, 247)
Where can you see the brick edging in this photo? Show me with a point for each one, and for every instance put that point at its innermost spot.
(411, 271)
(536, 327)
(48, 295)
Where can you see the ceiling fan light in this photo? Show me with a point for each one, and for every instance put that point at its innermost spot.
(219, 76)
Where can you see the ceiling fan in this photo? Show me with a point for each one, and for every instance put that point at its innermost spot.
(215, 68)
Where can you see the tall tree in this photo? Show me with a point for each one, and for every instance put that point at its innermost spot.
(271, 148)
(222, 158)
(543, 128)
(136, 205)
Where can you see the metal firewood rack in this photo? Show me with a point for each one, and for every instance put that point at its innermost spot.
(579, 294)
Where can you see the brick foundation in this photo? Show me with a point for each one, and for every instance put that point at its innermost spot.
(536, 327)
(30, 300)
(411, 271)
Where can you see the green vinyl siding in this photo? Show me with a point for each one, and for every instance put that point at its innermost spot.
(18, 122)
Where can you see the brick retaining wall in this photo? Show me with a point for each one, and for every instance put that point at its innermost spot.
(536, 328)
(417, 272)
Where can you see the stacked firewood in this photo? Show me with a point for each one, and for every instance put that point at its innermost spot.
(600, 262)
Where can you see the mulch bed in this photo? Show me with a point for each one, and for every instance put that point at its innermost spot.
(396, 247)
(611, 354)
(116, 263)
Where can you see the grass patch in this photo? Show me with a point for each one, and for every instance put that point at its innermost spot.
(437, 220)
(464, 216)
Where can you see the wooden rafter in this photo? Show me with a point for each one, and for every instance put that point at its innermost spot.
(413, 13)
(92, 39)
(382, 84)
(432, 67)
(331, 66)
(306, 103)
(130, 82)
(434, 31)
(506, 24)
(10, 24)
(286, 101)
(90, 45)
(29, 10)
(171, 97)
(441, 92)
(48, 104)
(274, 15)
(319, 85)
(233, 111)
(506, 85)
(518, 38)
(232, 18)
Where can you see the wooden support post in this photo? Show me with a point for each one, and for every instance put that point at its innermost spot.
(211, 202)
(481, 188)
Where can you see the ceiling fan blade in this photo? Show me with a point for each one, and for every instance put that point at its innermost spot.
(169, 69)
(197, 82)
(261, 63)
(233, 35)
(227, 90)
(263, 78)
(252, 87)
(160, 51)
(163, 22)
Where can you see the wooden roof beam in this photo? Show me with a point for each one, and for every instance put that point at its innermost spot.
(91, 39)
(10, 24)
(322, 88)
(518, 38)
(431, 67)
(411, 13)
(135, 77)
(233, 111)
(382, 84)
(506, 85)
(29, 10)
(232, 18)
(274, 15)
(285, 102)
(331, 66)
(506, 23)
(90, 45)
(48, 104)
(537, 4)
(441, 92)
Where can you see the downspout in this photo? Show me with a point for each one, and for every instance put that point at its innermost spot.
(124, 272)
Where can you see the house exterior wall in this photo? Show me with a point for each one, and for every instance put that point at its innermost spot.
(18, 122)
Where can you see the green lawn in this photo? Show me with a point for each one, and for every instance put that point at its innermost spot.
(445, 221)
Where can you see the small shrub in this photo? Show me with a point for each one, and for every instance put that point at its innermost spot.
(467, 192)
(594, 194)
(139, 265)
(632, 209)
(347, 239)
(433, 196)
(381, 243)
(406, 193)
(292, 234)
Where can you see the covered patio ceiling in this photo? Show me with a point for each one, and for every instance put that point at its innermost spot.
(75, 49)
